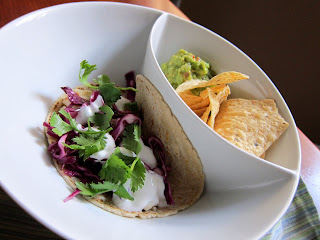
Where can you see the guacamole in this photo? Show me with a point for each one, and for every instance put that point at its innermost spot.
(184, 66)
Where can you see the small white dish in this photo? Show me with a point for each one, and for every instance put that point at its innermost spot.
(41, 51)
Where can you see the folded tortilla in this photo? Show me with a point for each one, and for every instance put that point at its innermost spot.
(186, 176)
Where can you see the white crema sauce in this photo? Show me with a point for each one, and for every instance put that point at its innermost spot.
(121, 102)
(152, 192)
(150, 195)
(87, 111)
(108, 149)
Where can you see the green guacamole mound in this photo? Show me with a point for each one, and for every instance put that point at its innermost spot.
(184, 66)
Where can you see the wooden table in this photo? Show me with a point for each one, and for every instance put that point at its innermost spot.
(17, 224)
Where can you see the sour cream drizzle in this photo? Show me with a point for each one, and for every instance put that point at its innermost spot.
(87, 111)
(146, 155)
(152, 192)
(107, 151)
(150, 195)
(121, 102)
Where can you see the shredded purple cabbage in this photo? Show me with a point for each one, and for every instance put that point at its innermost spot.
(130, 77)
(158, 171)
(49, 131)
(119, 112)
(73, 96)
(156, 145)
(62, 154)
(72, 195)
(122, 123)
(72, 109)
(94, 96)
(87, 171)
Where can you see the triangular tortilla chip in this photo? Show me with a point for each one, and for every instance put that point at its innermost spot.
(252, 125)
(200, 111)
(215, 101)
(222, 78)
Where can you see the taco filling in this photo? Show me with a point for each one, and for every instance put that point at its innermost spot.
(123, 158)
(96, 141)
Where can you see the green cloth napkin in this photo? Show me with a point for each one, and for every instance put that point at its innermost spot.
(301, 221)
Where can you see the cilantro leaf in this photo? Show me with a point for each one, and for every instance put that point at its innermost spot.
(58, 122)
(94, 189)
(60, 126)
(109, 93)
(132, 106)
(74, 146)
(84, 188)
(126, 159)
(89, 139)
(90, 143)
(102, 79)
(85, 71)
(67, 115)
(102, 120)
(138, 175)
(122, 192)
(131, 138)
(115, 170)
(104, 187)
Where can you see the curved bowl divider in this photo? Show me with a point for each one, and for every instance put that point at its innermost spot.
(217, 155)
(230, 172)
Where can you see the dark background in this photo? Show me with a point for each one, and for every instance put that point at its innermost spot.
(282, 37)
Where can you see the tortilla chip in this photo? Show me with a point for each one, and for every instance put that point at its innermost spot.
(215, 101)
(200, 111)
(204, 103)
(186, 176)
(222, 78)
(214, 107)
(218, 88)
(252, 125)
(223, 94)
(206, 113)
(191, 84)
(190, 99)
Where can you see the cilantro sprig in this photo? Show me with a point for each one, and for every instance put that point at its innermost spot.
(85, 70)
(118, 170)
(138, 175)
(102, 119)
(131, 138)
(94, 189)
(88, 144)
(114, 173)
(109, 92)
(61, 127)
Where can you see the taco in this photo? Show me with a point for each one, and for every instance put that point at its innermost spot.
(116, 154)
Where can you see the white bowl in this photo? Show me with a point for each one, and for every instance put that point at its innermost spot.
(41, 51)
